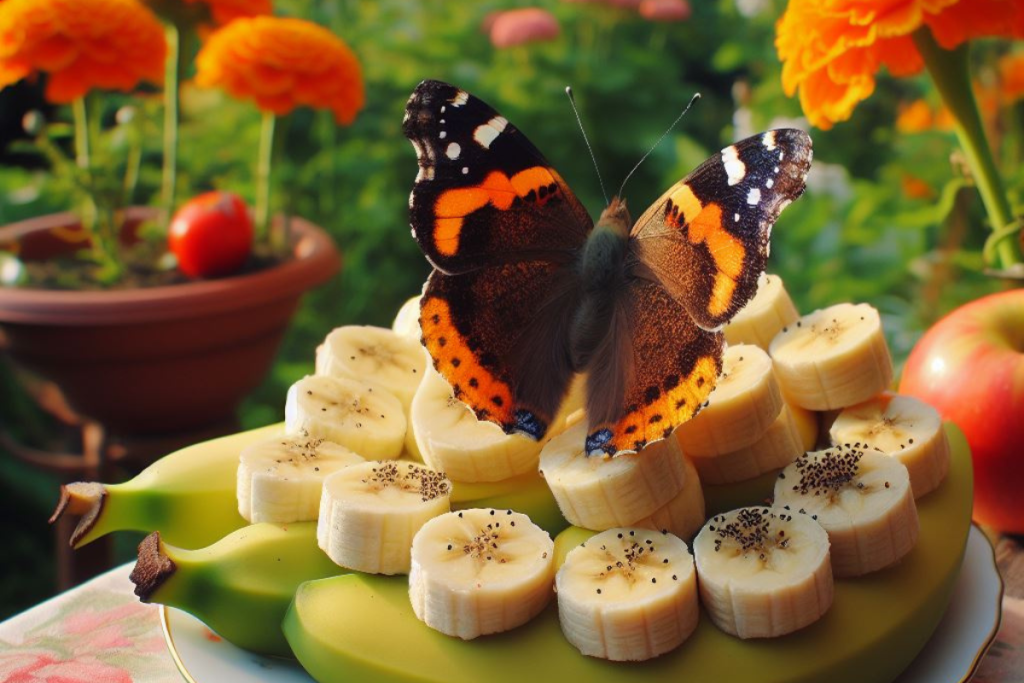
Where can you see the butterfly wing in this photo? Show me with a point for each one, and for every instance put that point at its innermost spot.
(706, 239)
(484, 194)
(653, 373)
(499, 335)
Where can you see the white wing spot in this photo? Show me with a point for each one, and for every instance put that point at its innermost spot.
(486, 133)
(442, 108)
(781, 155)
(442, 135)
(768, 183)
(736, 217)
(769, 140)
(425, 173)
(453, 151)
(754, 196)
(461, 97)
(441, 122)
(734, 168)
(465, 170)
(775, 170)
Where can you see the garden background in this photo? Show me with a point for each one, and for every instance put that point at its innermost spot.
(888, 218)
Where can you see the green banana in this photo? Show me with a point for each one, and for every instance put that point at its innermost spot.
(188, 495)
(241, 585)
(527, 493)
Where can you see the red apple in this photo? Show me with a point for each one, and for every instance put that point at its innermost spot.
(970, 366)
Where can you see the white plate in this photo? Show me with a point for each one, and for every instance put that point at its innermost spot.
(951, 656)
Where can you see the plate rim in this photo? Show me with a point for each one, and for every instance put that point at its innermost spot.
(165, 624)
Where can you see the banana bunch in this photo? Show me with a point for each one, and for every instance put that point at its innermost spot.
(188, 495)
(241, 585)
(861, 497)
(746, 428)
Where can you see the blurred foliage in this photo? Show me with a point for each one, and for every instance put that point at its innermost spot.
(889, 217)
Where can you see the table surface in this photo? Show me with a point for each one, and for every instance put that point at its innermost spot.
(100, 633)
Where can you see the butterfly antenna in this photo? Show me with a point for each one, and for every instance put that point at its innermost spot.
(696, 96)
(572, 101)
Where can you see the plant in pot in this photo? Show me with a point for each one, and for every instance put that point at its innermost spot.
(970, 366)
(136, 340)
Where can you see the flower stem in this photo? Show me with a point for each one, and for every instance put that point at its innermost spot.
(80, 113)
(950, 71)
(171, 102)
(263, 174)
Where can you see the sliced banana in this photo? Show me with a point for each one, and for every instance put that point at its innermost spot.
(763, 572)
(780, 445)
(280, 478)
(407, 320)
(363, 417)
(684, 514)
(369, 513)
(628, 595)
(450, 438)
(861, 497)
(744, 404)
(480, 571)
(833, 358)
(904, 427)
(806, 422)
(373, 354)
(760, 320)
(599, 492)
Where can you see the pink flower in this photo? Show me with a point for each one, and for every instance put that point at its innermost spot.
(665, 10)
(520, 26)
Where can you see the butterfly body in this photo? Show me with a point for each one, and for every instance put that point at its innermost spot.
(528, 291)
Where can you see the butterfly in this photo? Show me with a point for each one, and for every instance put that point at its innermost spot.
(527, 291)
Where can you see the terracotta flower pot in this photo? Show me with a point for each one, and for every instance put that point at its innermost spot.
(162, 359)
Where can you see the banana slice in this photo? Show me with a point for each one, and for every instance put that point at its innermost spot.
(904, 427)
(628, 595)
(760, 320)
(684, 514)
(480, 571)
(373, 354)
(780, 445)
(763, 572)
(407, 320)
(280, 478)
(363, 417)
(451, 439)
(806, 422)
(599, 492)
(744, 404)
(861, 498)
(833, 358)
(369, 513)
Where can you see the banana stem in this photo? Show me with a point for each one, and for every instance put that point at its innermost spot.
(263, 174)
(950, 71)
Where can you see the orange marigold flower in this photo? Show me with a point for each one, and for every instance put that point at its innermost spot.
(226, 11)
(915, 117)
(282, 64)
(832, 49)
(1011, 77)
(81, 44)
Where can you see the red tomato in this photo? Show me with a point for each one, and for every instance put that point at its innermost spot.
(211, 235)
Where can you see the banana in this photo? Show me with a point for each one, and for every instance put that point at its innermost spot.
(373, 354)
(599, 492)
(370, 512)
(407, 320)
(763, 572)
(904, 427)
(361, 416)
(628, 595)
(743, 405)
(280, 478)
(777, 447)
(760, 320)
(807, 421)
(833, 358)
(189, 495)
(527, 493)
(480, 571)
(453, 441)
(861, 497)
(241, 585)
(684, 514)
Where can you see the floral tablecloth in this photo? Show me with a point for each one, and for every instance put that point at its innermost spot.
(100, 633)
